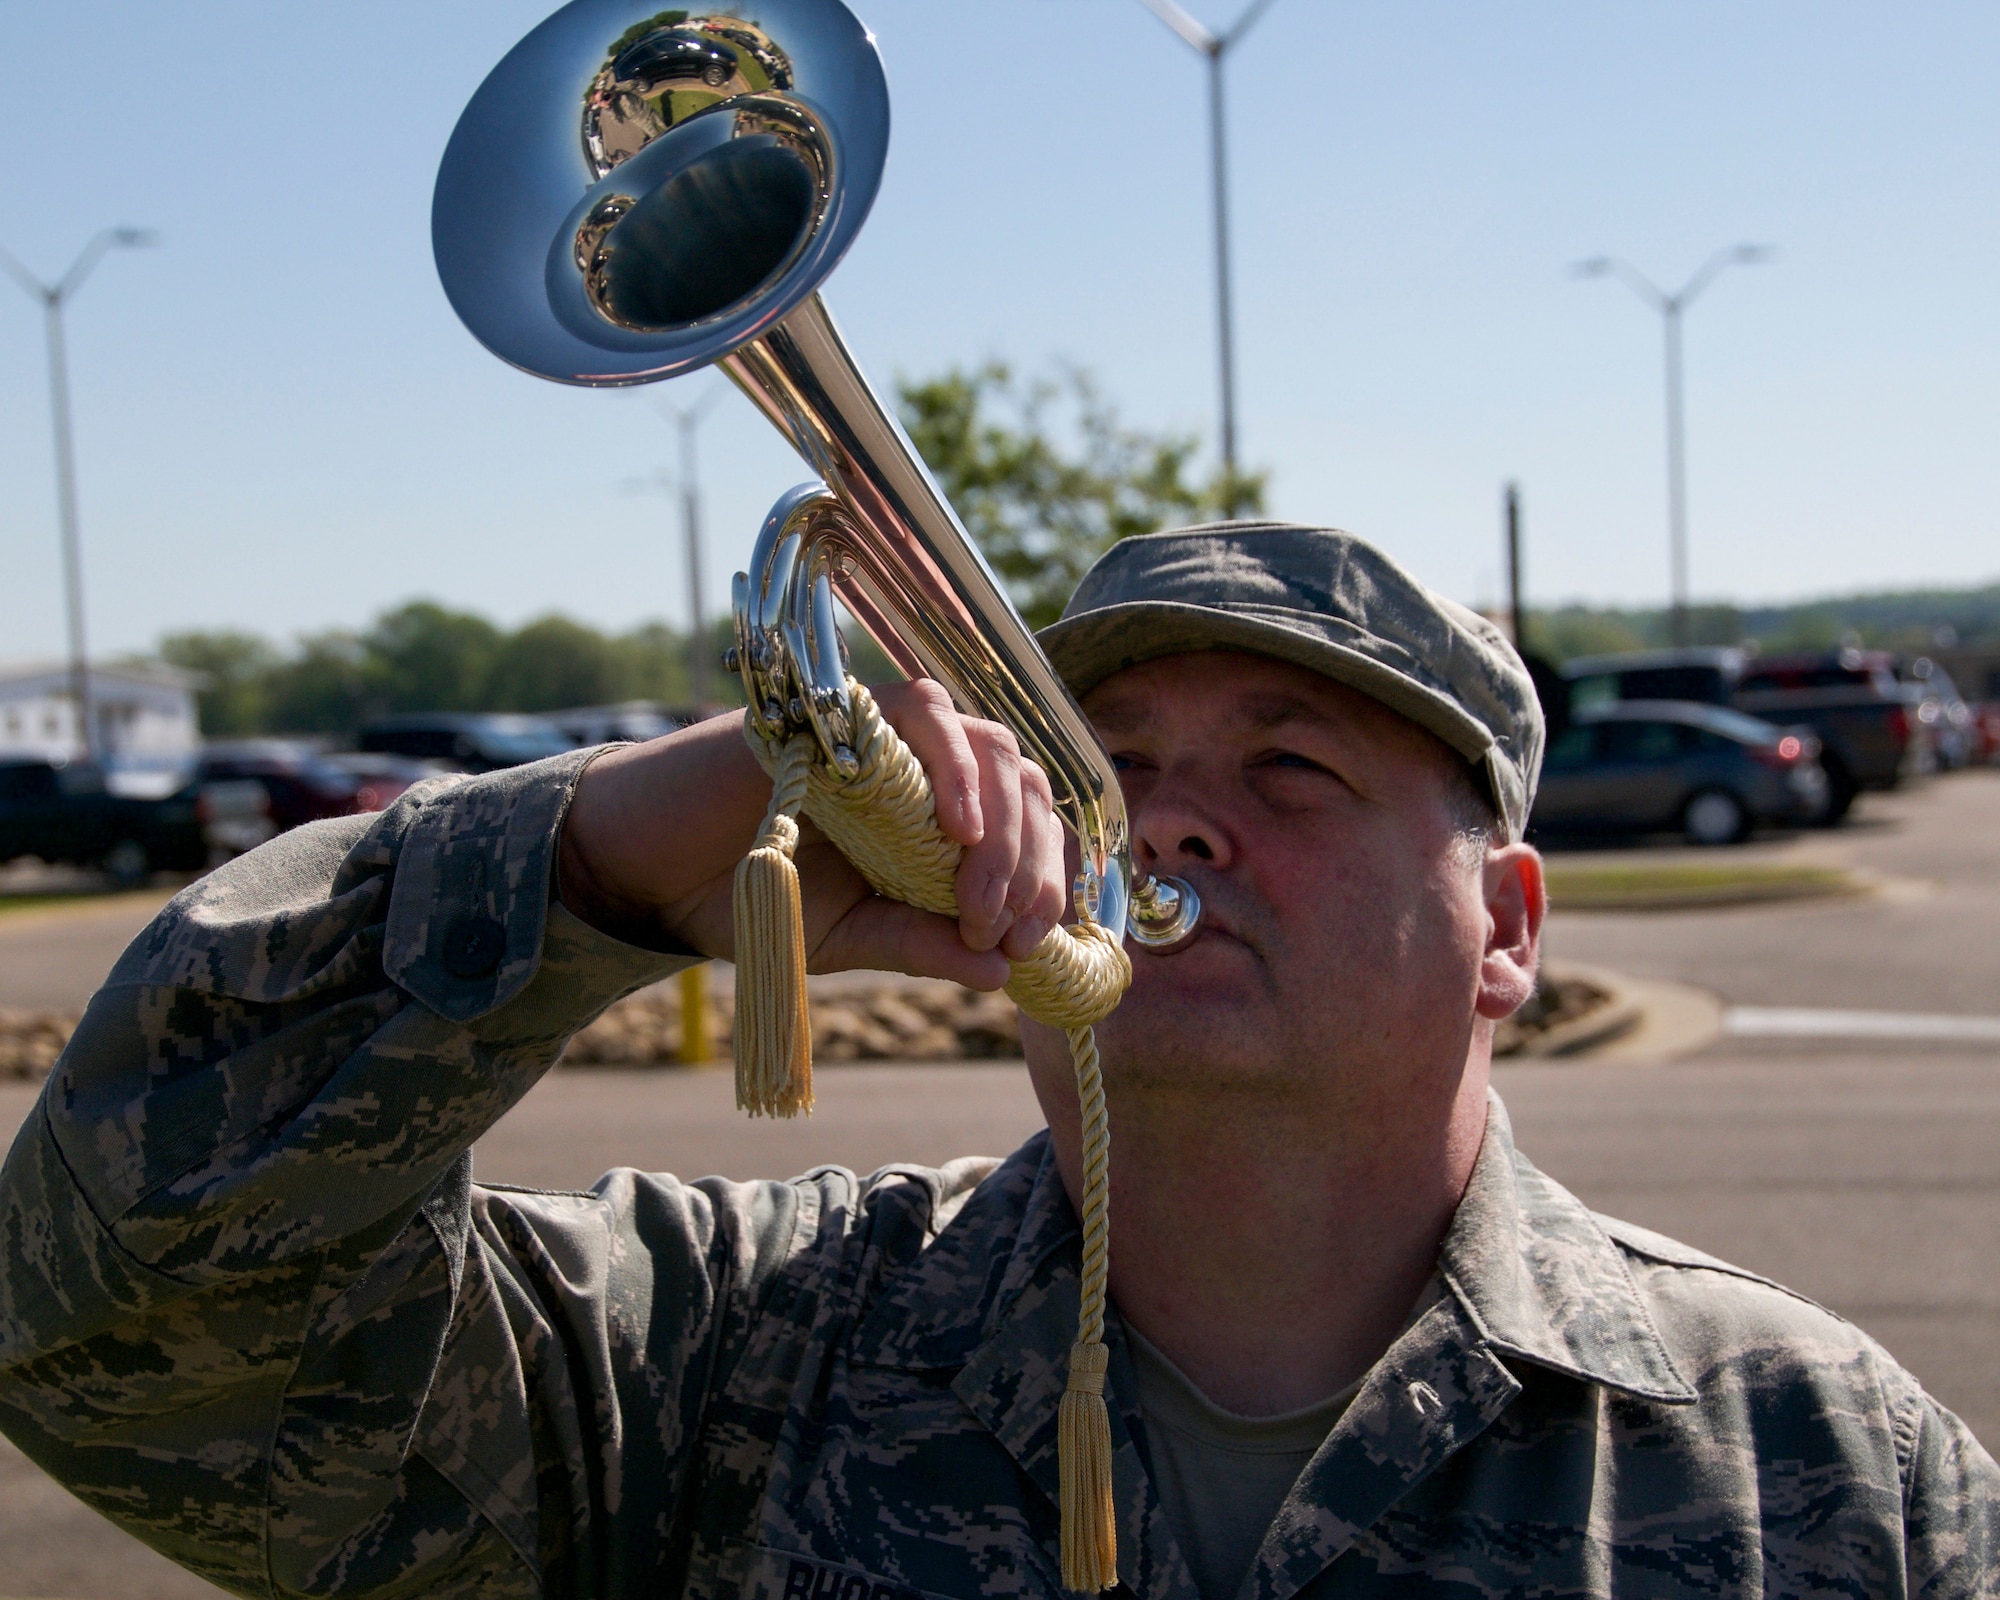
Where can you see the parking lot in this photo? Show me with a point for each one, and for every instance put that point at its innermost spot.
(1860, 1171)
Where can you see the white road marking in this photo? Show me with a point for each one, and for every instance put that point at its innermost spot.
(1801, 1022)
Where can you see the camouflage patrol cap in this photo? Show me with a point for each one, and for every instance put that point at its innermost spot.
(1321, 599)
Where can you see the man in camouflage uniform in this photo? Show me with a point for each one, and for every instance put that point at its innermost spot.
(255, 1308)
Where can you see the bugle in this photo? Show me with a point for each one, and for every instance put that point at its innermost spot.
(634, 194)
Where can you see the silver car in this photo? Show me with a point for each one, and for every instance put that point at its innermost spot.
(1649, 766)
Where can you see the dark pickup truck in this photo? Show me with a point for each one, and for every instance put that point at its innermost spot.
(1849, 698)
(1853, 701)
(62, 812)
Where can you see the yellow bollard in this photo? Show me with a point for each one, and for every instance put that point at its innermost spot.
(697, 1037)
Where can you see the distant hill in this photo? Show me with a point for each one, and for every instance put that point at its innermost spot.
(1910, 620)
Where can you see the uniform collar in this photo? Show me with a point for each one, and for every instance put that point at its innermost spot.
(1541, 1280)
(1532, 1277)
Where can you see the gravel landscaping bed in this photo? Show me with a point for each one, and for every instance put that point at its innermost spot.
(911, 1019)
(907, 1019)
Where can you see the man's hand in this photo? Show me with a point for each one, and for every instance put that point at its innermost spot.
(649, 848)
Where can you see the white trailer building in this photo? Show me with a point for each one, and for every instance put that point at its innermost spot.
(144, 711)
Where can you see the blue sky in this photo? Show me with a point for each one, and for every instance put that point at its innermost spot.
(282, 426)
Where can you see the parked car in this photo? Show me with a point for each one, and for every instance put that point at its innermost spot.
(382, 777)
(1707, 676)
(235, 817)
(658, 58)
(633, 719)
(1986, 732)
(1648, 766)
(1942, 712)
(1870, 734)
(61, 811)
(1851, 699)
(302, 785)
(467, 741)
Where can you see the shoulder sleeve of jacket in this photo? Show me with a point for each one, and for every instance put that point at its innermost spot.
(1952, 1505)
(1798, 1384)
(251, 1155)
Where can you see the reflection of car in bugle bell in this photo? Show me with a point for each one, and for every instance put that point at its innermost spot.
(669, 68)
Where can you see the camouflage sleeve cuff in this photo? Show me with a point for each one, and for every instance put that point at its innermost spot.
(473, 907)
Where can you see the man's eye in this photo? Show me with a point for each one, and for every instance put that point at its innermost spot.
(1287, 758)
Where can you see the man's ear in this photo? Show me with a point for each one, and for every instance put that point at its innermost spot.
(1516, 902)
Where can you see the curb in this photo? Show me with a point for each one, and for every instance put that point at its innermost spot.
(1642, 1019)
(1675, 1020)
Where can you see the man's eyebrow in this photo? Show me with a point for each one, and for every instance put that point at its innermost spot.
(1118, 716)
(1264, 713)
(1261, 713)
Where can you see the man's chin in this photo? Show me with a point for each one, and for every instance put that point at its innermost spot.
(1207, 1033)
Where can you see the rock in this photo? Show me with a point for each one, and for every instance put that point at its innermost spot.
(908, 1020)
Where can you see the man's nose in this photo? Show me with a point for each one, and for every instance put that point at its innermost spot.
(1175, 824)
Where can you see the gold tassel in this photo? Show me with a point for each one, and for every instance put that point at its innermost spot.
(1083, 1451)
(773, 1025)
(1083, 1426)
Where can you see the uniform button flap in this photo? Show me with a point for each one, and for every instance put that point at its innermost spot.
(473, 946)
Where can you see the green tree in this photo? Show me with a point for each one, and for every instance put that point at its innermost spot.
(236, 669)
(1805, 628)
(1570, 631)
(653, 664)
(423, 657)
(551, 663)
(1710, 625)
(1048, 479)
(328, 686)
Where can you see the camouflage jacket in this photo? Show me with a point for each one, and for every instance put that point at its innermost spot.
(254, 1308)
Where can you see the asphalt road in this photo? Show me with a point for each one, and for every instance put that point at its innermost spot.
(52, 958)
(1863, 1177)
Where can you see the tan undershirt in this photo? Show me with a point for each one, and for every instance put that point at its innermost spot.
(1222, 1476)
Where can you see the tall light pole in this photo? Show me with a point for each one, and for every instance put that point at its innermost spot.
(1671, 307)
(687, 420)
(1516, 617)
(1215, 48)
(53, 297)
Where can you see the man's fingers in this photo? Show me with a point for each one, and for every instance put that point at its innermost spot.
(921, 711)
(987, 899)
(1037, 895)
(1011, 880)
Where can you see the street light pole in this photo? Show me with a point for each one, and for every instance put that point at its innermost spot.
(66, 520)
(1225, 332)
(1677, 550)
(1215, 48)
(687, 420)
(1671, 308)
(1516, 617)
(53, 297)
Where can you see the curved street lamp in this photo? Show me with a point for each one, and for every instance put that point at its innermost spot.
(53, 297)
(1216, 46)
(1670, 308)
